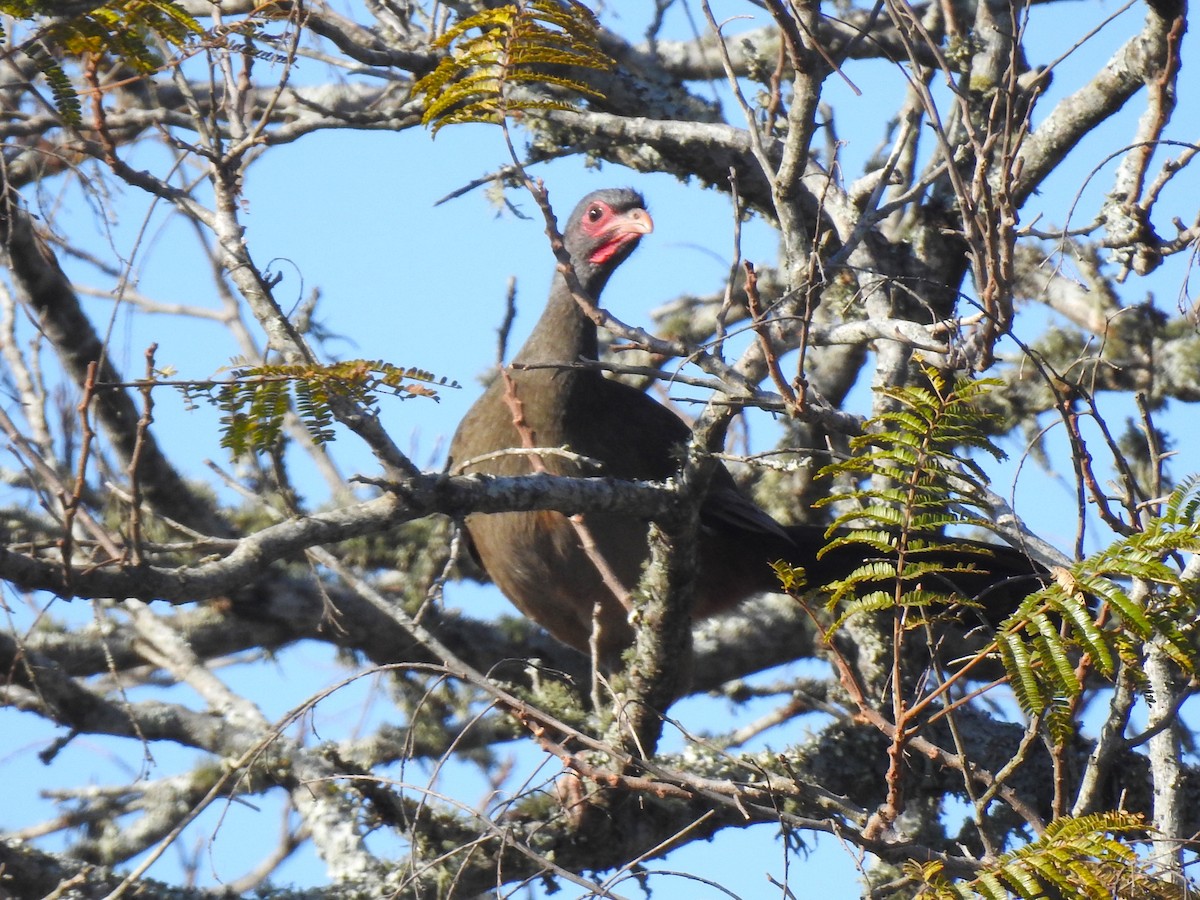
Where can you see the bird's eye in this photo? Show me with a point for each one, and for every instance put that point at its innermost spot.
(595, 213)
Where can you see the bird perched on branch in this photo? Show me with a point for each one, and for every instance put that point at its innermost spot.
(575, 579)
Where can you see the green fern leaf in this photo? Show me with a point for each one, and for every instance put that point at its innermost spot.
(990, 887)
(1174, 641)
(66, 98)
(880, 541)
(497, 49)
(920, 598)
(172, 22)
(124, 29)
(1074, 857)
(1023, 878)
(1024, 683)
(256, 399)
(1052, 653)
(793, 579)
(917, 483)
(874, 602)
(1074, 610)
(871, 572)
(1132, 616)
(1142, 555)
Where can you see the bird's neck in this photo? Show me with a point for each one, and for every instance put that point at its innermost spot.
(563, 334)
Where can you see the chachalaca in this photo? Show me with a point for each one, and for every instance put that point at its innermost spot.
(538, 559)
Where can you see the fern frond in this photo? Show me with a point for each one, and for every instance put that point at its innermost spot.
(916, 483)
(1089, 856)
(1039, 645)
(172, 22)
(1073, 609)
(871, 573)
(493, 51)
(66, 98)
(876, 601)
(1037, 671)
(1142, 554)
(124, 29)
(1026, 687)
(793, 579)
(256, 399)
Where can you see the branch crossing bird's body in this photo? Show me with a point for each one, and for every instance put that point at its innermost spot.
(538, 559)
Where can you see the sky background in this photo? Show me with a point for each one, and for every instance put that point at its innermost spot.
(416, 284)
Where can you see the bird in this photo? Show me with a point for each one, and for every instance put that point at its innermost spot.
(575, 581)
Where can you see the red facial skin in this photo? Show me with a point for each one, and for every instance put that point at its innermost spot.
(613, 229)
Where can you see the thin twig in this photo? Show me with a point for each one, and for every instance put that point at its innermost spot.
(135, 488)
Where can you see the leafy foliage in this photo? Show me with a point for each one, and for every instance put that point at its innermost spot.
(66, 99)
(517, 44)
(1075, 857)
(916, 481)
(123, 28)
(1038, 642)
(256, 399)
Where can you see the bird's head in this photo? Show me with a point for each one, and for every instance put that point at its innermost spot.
(602, 232)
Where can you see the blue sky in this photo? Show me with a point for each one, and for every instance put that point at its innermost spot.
(417, 285)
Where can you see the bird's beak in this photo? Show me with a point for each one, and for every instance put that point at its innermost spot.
(635, 222)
